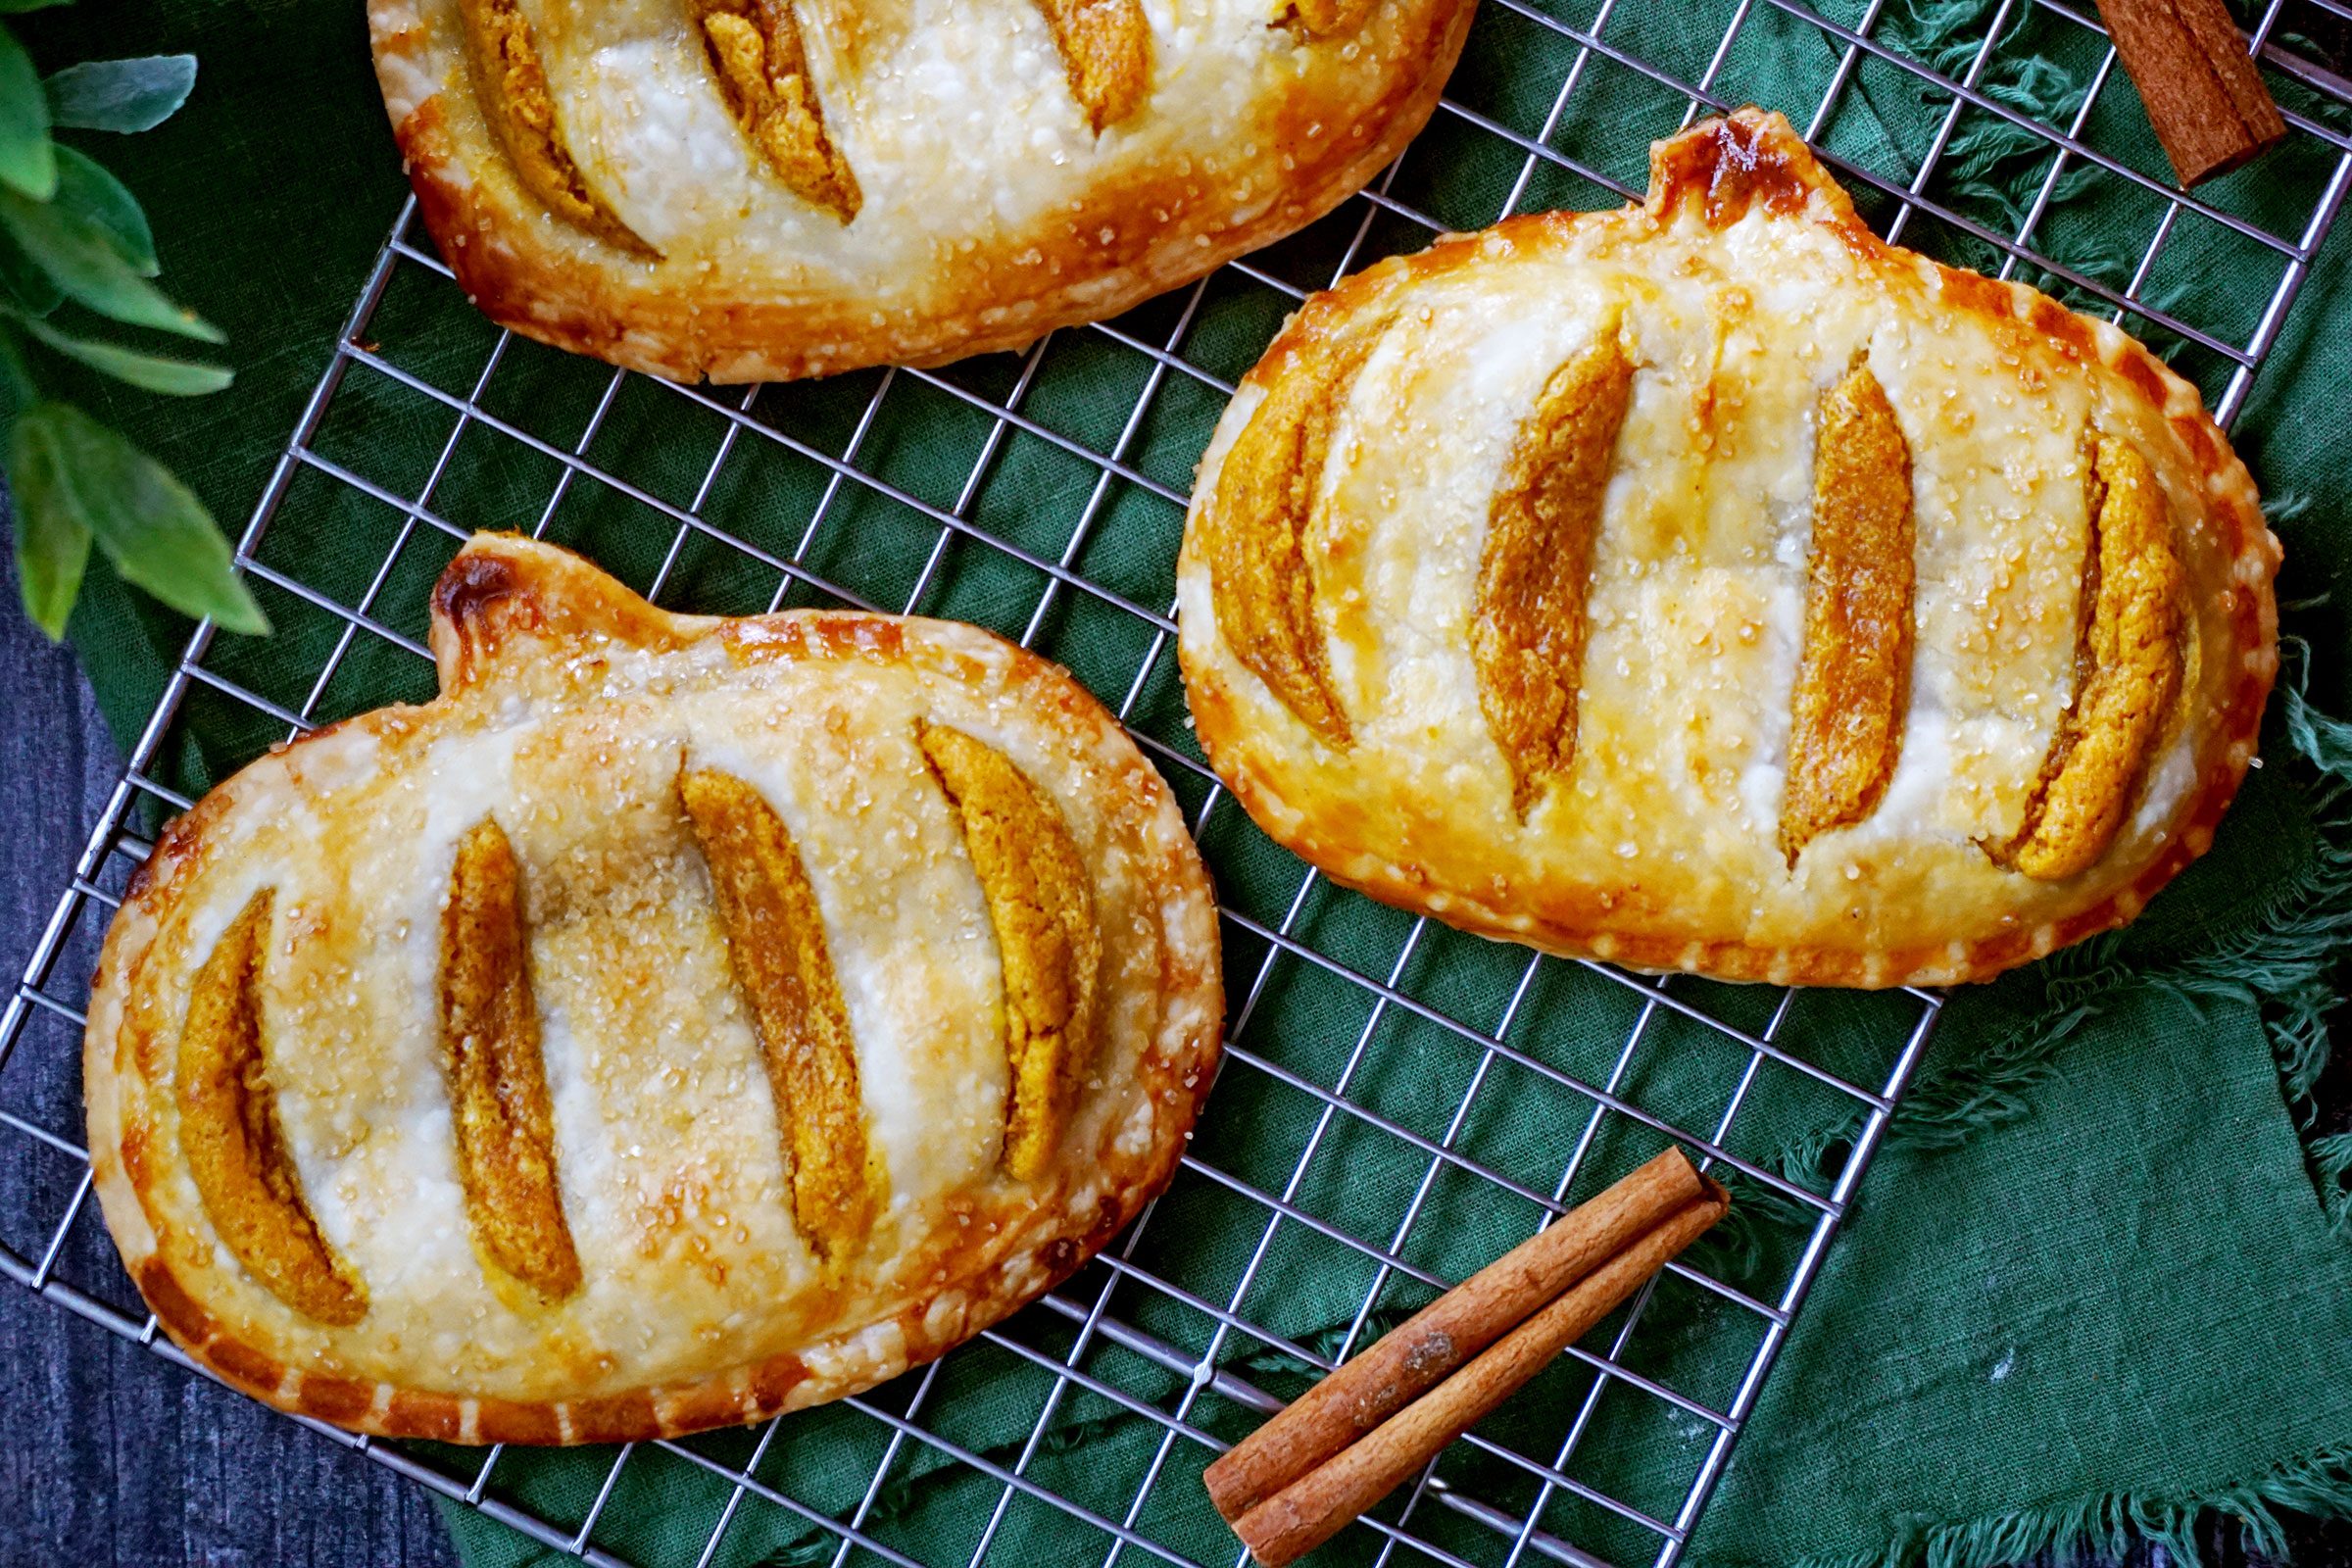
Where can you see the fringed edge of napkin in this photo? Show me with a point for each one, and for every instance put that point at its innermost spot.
(2108, 1525)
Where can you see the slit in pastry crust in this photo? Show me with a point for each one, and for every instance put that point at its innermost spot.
(1527, 632)
(2128, 671)
(1254, 534)
(1042, 904)
(1853, 678)
(763, 69)
(521, 111)
(235, 1147)
(1106, 49)
(499, 1106)
(776, 943)
(1320, 19)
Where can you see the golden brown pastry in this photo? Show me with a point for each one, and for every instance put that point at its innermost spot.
(673, 1022)
(757, 189)
(1709, 585)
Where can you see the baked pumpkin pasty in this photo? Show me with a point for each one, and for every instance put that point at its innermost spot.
(751, 190)
(673, 1022)
(1709, 585)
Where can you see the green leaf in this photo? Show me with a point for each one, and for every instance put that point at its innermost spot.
(69, 469)
(79, 256)
(28, 157)
(50, 555)
(24, 282)
(53, 547)
(12, 5)
(85, 189)
(125, 95)
(152, 373)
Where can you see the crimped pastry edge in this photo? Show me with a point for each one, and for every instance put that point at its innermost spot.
(1725, 164)
(572, 295)
(502, 581)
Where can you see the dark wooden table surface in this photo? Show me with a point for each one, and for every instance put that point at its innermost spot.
(110, 1457)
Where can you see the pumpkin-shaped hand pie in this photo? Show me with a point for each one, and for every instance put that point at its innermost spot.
(673, 1022)
(755, 189)
(1709, 585)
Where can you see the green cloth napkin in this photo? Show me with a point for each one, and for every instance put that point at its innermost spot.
(2099, 1279)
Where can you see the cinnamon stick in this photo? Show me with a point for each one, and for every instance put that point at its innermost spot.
(1412, 1357)
(2202, 91)
(1312, 1509)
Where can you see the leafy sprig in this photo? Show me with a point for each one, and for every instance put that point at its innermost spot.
(76, 254)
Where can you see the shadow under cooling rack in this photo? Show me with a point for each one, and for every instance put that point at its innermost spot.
(1385, 1076)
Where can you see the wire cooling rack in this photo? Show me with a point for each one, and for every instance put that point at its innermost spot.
(882, 490)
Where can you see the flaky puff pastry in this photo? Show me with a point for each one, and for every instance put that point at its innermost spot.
(1711, 586)
(752, 190)
(674, 1021)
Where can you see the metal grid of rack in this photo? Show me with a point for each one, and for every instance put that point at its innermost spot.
(1591, 64)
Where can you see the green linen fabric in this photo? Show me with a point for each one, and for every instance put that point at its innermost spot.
(2099, 1279)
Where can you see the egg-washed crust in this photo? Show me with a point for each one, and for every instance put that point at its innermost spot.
(1720, 170)
(505, 598)
(1143, 226)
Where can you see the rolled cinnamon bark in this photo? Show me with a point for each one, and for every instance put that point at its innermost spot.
(1414, 1357)
(1312, 1510)
(2204, 96)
